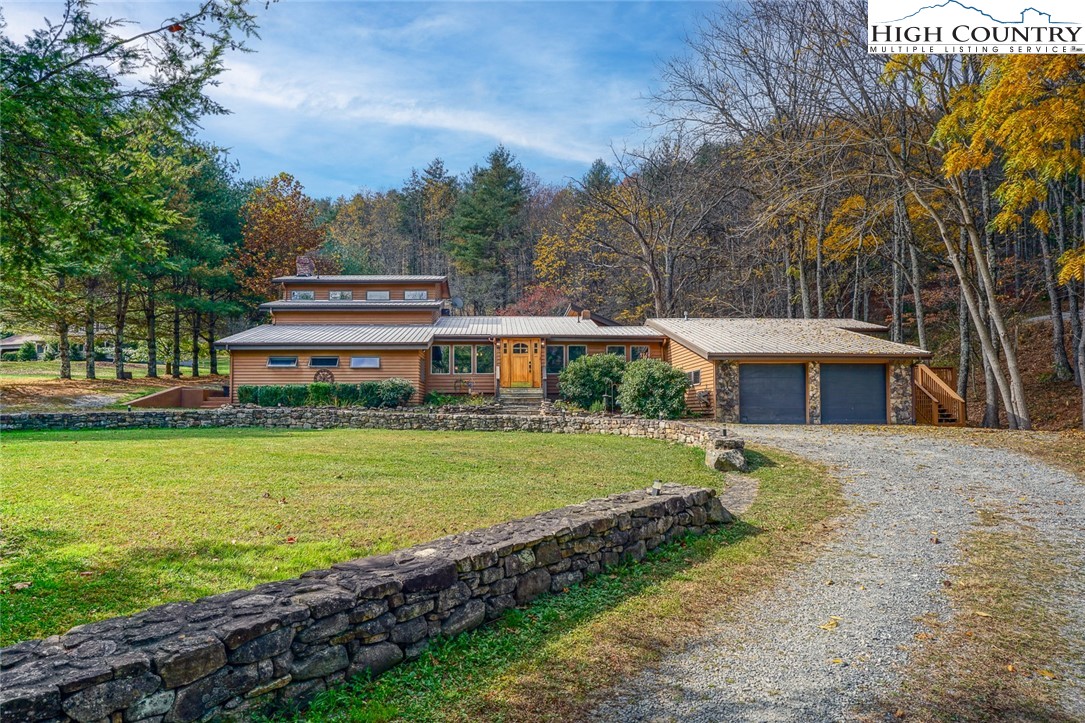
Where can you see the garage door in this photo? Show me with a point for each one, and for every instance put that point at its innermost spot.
(772, 393)
(853, 394)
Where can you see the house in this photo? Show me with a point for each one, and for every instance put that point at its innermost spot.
(361, 328)
(15, 342)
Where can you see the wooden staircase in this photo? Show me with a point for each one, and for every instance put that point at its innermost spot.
(936, 402)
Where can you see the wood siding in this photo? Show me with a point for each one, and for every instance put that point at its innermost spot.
(395, 291)
(688, 360)
(455, 383)
(373, 316)
(250, 367)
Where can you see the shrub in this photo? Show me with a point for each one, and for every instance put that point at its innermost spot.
(369, 394)
(320, 395)
(586, 380)
(653, 388)
(344, 395)
(395, 392)
(247, 394)
(270, 395)
(28, 352)
(295, 395)
(75, 353)
(9, 356)
(436, 399)
(50, 352)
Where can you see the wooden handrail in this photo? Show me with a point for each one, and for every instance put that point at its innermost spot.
(926, 407)
(932, 384)
(947, 375)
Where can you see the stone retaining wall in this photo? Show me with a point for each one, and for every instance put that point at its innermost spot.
(284, 642)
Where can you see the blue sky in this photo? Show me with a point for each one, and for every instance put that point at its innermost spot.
(350, 95)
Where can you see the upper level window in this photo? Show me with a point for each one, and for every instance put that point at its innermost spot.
(377, 296)
(365, 362)
(415, 295)
(302, 295)
(282, 361)
(616, 351)
(638, 352)
(576, 351)
(324, 361)
(555, 359)
(340, 295)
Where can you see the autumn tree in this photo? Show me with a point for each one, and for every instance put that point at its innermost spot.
(279, 223)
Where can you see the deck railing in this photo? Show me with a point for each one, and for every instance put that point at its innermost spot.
(937, 403)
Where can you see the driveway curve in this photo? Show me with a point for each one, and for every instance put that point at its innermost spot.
(836, 634)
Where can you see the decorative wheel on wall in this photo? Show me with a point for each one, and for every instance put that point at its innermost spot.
(324, 375)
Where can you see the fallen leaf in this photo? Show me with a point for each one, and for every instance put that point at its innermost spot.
(924, 636)
(1047, 674)
(21, 585)
(838, 661)
(833, 622)
(981, 614)
(291, 540)
(1010, 668)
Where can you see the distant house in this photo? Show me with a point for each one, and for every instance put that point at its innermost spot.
(358, 328)
(15, 343)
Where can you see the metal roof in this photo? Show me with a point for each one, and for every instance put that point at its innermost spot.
(321, 335)
(563, 327)
(359, 305)
(348, 279)
(738, 338)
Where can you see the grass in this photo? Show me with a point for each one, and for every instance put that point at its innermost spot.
(105, 523)
(997, 657)
(36, 386)
(554, 660)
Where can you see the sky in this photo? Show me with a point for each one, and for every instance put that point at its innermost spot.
(347, 95)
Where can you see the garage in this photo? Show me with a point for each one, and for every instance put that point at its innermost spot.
(772, 393)
(853, 394)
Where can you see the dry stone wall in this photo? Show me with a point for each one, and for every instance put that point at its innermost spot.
(284, 642)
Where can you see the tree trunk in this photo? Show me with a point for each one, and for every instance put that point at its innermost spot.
(119, 319)
(789, 283)
(964, 360)
(176, 341)
(819, 261)
(65, 351)
(212, 353)
(1081, 367)
(1060, 361)
(804, 287)
(195, 343)
(91, 372)
(151, 313)
(896, 327)
(917, 293)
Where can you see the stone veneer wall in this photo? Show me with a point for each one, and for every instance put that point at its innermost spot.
(901, 396)
(813, 393)
(284, 642)
(727, 392)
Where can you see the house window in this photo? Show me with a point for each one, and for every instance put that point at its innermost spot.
(616, 351)
(377, 296)
(302, 295)
(365, 362)
(519, 348)
(694, 377)
(325, 362)
(577, 351)
(461, 359)
(638, 352)
(438, 359)
(282, 361)
(340, 296)
(415, 295)
(484, 360)
(555, 359)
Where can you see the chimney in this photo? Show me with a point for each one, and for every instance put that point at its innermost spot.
(585, 315)
(305, 266)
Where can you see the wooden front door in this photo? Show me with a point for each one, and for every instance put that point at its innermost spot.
(520, 363)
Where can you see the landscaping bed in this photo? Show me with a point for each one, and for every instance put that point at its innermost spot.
(105, 523)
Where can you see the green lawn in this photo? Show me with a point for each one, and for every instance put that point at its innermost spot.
(51, 369)
(107, 523)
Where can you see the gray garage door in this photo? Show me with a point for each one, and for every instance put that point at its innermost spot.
(772, 393)
(853, 394)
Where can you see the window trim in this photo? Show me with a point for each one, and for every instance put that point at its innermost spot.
(424, 294)
(294, 295)
(365, 366)
(291, 365)
(646, 355)
(625, 350)
(694, 377)
(568, 352)
(323, 366)
(370, 297)
(447, 354)
(349, 295)
(493, 357)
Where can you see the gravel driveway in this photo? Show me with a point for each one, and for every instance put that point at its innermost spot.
(775, 662)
